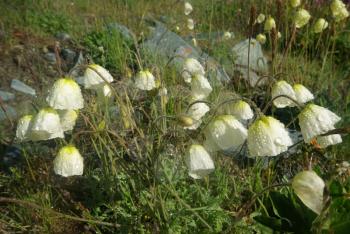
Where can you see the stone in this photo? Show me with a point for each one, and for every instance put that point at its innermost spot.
(127, 34)
(6, 96)
(68, 55)
(62, 36)
(7, 111)
(22, 87)
(50, 57)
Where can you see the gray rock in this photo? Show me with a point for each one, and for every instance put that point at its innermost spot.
(68, 55)
(22, 87)
(50, 57)
(62, 36)
(124, 31)
(10, 112)
(6, 96)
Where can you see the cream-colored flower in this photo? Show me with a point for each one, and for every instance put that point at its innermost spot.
(242, 110)
(227, 35)
(67, 119)
(65, 94)
(191, 67)
(320, 25)
(261, 38)
(188, 8)
(315, 120)
(145, 80)
(260, 18)
(200, 88)
(194, 42)
(339, 10)
(279, 35)
(92, 78)
(301, 18)
(199, 162)
(282, 88)
(190, 24)
(325, 141)
(225, 132)
(196, 112)
(269, 24)
(308, 186)
(23, 128)
(295, 3)
(46, 125)
(302, 94)
(268, 137)
(68, 162)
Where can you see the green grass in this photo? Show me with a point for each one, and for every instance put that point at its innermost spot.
(134, 174)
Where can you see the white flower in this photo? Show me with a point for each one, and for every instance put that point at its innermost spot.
(67, 119)
(339, 10)
(145, 80)
(104, 93)
(91, 79)
(199, 162)
(320, 25)
(191, 67)
(227, 35)
(282, 88)
(65, 94)
(268, 137)
(194, 42)
(315, 120)
(46, 125)
(242, 110)
(163, 92)
(302, 94)
(309, 187)
(294, 3)
(196, 112)
(269, 24)
(260, 18)
(225, 132)
(261, 38)
(279, 35)
(301, 18)
(188, 8)
(68, 162)
(200, 87)
(190, 24)
(325, 141)
(23, 126)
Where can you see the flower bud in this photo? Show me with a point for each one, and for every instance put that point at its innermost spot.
(261, 38)
(269, 24)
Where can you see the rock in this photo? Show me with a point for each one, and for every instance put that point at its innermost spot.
(164, 45)
(76, 72)
(124, 31)
(22, 87)
(12, 157)
(50, 57)
(9, 112)
(68, 55)
(62, 36)
(6, 96)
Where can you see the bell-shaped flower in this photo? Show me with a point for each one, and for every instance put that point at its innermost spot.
(268, 137)
(46, 125)
(294, 3)
(188, 8)
(315, 120)
(200, 87)
(225, 132)
(282, 88)
(145, 80)
(325, 141)
(260, 18)
(279, 35)
(68, 162)
(190, 24)
(23, 128)
(269, 24)
(301, 18)
(339, 10)
(241, 110)
(199, 162)
(302, 94)
(227, 35)
(308, 186)
(191, 67)
(261, 38)
(320, 25)
(65, 94)
(92, 78)
(196, 112)
(67, 119)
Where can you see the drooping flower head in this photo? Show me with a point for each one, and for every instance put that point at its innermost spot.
(294, 3)
(268, 137)
(225, 132)
(315, 120)
(200, 87)
(68, 162)
(309, 187)
(196, 113)
(301, 18)
(325, 141)
(260, 18)
(302, 94)
(241, 110)
(67, 119)
(92, 78)
(227, 35)
(269, 24)
(46, 125)
(188, 8)
(65, 94)
(282, 88)
(190, 24)
(261, 38)
(23, 128)
(320, 25)
(199, 162)
(339, 10)
(191, 67)
(145, 80)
